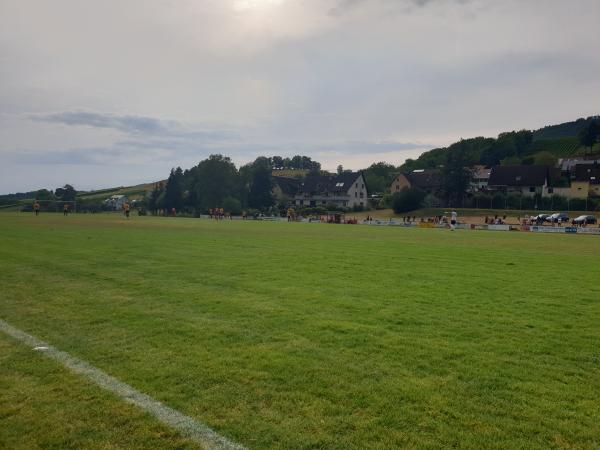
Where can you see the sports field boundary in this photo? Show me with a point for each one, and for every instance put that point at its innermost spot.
(186, 425)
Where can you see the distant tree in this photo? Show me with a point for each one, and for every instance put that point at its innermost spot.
(456, 175)
(156, 197)
(174, 190)
(544, 159)
(379, 176)
(408, 199)
(213, 180)
(590, 133)
(258, 181)
(232, 205)
(277, 161)
(297, 162)
(303, 163)
(67, 193)
(44, 194)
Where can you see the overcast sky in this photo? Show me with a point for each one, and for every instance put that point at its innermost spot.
(107, 93)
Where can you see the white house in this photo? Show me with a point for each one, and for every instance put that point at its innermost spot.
(116, 202)
(347, 190)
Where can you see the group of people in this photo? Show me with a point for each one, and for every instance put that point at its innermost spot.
(37, 208)
(217, 213)
(496, 220)
(452, 222)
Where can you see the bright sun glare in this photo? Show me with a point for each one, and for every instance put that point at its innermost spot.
(246, 5)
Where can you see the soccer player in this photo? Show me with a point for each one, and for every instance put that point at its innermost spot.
(66, 209)
(36, 208)
(126, 208)
(453, 220)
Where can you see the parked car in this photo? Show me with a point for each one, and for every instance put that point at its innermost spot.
(585, 220)
(541, 218)
(554, 218)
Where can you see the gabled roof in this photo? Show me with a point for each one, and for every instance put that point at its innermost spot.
(289, 186)
(314, 184)
(588, 172)
(556, 178)
(568, 164)
(518, 176)
(425, 179)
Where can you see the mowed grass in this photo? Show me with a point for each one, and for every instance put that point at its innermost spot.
(304, 336)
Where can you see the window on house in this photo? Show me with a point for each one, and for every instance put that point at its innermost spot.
(532, 189)
(355, 194)
(518, 178)
(550, 190)
(301, 202)
(362, 194)
(356, 186)
(363, 186)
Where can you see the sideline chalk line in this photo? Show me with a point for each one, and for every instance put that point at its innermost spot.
(186, 425)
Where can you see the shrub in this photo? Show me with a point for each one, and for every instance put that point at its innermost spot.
(408, 199)
(232, 206)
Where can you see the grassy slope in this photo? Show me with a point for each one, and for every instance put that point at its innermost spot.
(318, 336)
(133, 192)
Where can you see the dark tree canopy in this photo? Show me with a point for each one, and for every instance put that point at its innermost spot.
(213, 180)
(456, 176)
(379, 176)
(408, 199)
(67, 193)
(174, 190)
(259, 183)
(590, 133)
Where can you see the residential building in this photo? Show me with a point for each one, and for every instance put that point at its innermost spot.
(480, 178)
(116, 202)
(347, 190)
(568, 164)
(586, 178)
(523, 180)
(429, 181)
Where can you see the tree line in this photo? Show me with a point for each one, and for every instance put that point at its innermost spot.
(216, 183)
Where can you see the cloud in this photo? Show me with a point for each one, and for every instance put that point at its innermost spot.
(133, 125)
(343, 7)
(128, 124)
(150, 84)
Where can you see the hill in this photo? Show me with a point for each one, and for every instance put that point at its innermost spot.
(20, 199)
(133, 192)
(543, 146)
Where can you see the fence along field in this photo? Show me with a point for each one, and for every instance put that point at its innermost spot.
(281, 335)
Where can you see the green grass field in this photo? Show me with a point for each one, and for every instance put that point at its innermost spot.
(306, 336)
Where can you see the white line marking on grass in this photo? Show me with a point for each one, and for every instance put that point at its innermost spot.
(186, 425)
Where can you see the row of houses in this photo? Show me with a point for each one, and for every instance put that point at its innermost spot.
(573, 179)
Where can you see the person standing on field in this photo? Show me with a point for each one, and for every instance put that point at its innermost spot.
(453, 220)
(126, 209)
(36, 208)
(66, 209)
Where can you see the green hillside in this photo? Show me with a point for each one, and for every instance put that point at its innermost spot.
(545, 145)
(133, 192)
